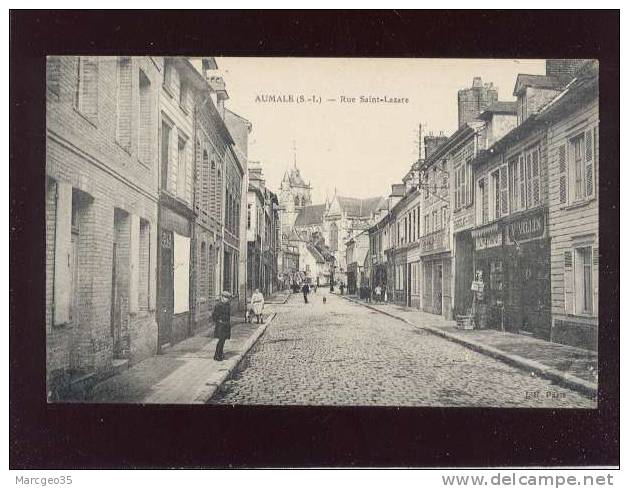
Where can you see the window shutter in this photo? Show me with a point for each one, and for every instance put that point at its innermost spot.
(89, 86)
(53, 74)
(504, 191)
(568, 281)
(522, 182)
(536, 179)
(198, 176)
(589, 163)
(563, 177)
(470, 185)
(595, 279)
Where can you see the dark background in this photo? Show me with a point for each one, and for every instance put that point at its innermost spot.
(108, 436)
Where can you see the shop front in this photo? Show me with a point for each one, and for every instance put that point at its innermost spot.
(174, 272)
(513, 258)
(436, 274)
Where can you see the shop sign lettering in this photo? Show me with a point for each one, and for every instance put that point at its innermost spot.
(488, 241)
(527, 228)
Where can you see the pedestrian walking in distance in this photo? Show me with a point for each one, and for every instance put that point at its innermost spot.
(257, 305)
(222, 324)
(342, 288)
(305, 289)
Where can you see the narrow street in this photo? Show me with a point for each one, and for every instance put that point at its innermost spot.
(342, 353)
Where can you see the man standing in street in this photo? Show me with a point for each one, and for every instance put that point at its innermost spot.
(305, 289)
(222, 324)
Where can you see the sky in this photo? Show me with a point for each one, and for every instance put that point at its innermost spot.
(359, 149)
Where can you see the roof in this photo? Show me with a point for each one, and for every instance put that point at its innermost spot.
(310, 214)
(355, 207)
(315, 253)
(295, 179)
(500, 108)
(537, 81)
(580, 90)
(466, 130)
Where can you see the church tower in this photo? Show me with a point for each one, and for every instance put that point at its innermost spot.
(295, 194)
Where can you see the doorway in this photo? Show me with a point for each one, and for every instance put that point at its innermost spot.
(437, 288)
(166, 292)
(409, 281)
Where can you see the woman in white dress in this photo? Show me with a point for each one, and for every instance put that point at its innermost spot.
(257, 305)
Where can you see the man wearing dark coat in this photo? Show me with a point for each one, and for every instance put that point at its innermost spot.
(222, 324)
(305, 289)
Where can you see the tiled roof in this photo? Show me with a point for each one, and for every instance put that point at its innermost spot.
(310, 214)
(537, 81)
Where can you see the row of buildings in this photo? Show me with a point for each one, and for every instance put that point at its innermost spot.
(151, 211)
(509, 199)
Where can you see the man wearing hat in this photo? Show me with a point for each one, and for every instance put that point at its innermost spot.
(222, 324)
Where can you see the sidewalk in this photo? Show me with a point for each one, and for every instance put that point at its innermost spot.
(279, 297)
(572, 367)
(186, 374)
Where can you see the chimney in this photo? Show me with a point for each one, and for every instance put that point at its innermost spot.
(217, 85)
(398, 190)
(472, 101)
(431, 143)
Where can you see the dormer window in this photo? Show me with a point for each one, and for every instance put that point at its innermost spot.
(522, 112)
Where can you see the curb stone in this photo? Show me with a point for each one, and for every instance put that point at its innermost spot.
(207, 392)
(567, 380)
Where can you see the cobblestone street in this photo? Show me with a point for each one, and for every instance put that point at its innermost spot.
(341, 353)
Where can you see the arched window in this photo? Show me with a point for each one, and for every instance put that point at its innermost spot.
(334, 237)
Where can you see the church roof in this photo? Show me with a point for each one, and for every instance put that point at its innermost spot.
(310, 214)
(355, 207)
(295, 179)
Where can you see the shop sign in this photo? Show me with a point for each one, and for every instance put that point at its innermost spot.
(434, 241)
(487, 237)
(528, 227)
(488, 241)
(462, 222)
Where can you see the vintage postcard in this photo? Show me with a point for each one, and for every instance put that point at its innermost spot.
(322, 231)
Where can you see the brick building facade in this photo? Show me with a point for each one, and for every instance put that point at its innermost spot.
(101, 217)
(143, 200)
